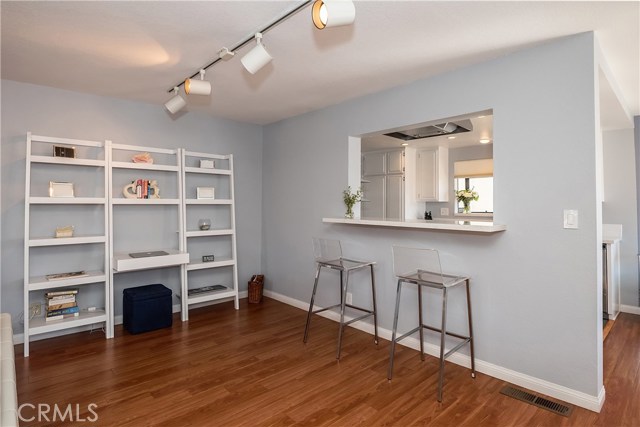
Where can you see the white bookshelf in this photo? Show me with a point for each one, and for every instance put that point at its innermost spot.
(221, 235)
(90, 162)
(166, 169)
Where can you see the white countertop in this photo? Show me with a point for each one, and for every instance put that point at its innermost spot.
(436, 224)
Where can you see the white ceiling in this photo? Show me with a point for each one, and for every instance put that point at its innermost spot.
(137, 50)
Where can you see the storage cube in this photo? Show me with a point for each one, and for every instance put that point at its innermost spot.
(146, 308)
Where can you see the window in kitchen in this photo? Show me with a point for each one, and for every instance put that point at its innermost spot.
(474, 179)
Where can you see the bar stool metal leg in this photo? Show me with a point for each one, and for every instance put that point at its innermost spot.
(375, 310)
(420, 323)
(473, 358)
(395, 329)
(342, 305)
(442, 340)
(313, 297)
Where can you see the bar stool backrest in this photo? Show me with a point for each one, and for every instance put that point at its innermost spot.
(417, 264)
(326, 249)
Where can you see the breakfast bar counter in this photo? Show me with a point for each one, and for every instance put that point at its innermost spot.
(436, 224)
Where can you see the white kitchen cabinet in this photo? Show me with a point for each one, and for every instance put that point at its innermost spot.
(373, 204)
(394, 200)
(395, 162)
(432, 175)
(374, 163)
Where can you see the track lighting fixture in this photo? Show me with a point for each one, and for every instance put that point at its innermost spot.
(257, 57)
(197, 87)
(176, 103)
(324, 13)
(332, 13)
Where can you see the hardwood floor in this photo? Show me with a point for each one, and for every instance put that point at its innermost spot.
(250, 368)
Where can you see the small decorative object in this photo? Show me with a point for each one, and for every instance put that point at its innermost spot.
(207, 164)
(427, 215)
(466, 196)
(205, 192)
(208, 258)
(60, 189)
(255, 288)
(62, 151)
(141, 189)
(204, 224)
(142, 158)
(350, 199)
(66, 231)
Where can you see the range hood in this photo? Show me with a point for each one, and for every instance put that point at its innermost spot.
(446, 128)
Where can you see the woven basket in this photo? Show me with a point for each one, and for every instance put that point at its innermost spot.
(255, 289)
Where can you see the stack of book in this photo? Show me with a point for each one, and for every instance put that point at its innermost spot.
(61, 304)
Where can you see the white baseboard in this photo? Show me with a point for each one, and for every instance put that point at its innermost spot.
(629, 309)
(117, 320)
(557, 391)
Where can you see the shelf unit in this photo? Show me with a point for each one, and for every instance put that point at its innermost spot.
(167, 165)
(221, 178)
(91, 164)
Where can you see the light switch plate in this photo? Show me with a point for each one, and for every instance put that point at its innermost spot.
(444, 211)
(570, 219)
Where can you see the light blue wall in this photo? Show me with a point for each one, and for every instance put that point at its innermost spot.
(53, 112)
(535, 286)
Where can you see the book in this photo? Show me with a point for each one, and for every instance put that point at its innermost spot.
(61, 317)
(63, 305)
(61, 299)
(69, 310)
(62, 293)
(62, 276)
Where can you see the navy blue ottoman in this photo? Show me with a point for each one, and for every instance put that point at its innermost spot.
(146, 308)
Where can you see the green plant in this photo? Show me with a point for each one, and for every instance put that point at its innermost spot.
(350, 199)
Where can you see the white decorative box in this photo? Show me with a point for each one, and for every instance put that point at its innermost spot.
(207, 164)
(205, 193)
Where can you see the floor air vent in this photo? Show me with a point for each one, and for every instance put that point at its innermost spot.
(538, 401)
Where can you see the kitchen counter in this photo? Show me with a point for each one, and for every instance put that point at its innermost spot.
(436, 224)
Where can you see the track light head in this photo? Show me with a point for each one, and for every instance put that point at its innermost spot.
(332, 13)
(257, 57)
(176, 103)
(197, 87)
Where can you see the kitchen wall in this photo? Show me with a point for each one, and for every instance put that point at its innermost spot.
(618, 206)
(536, 287)
(53, 112)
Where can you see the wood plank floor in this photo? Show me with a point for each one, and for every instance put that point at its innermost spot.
(250, 368)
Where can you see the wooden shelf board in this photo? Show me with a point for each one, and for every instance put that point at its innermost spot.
(124, 201)
(67, 200)
(59, 241)
(213, 264)
(144, 166)
(40, 282)
(208, 201)
(200, 233)
(208, 171)
(67, 161)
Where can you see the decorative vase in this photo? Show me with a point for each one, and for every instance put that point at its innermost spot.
(204, 224)
(467, 206)
(349, 213)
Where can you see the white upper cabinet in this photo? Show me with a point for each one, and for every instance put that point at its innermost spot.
(374, 163)
(395, 161)
(432, 175)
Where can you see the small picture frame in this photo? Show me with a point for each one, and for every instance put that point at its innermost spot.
(61, 189)
(208, 258)
(207, 164)
(63, 151)
(205, 193)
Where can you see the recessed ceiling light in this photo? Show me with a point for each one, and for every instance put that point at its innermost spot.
(485, 141)
(451, 137)
(404, 144)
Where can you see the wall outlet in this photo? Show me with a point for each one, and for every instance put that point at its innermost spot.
(444, 211)
(349, 298)
(35, 309)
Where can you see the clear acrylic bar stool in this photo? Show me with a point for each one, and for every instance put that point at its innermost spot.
(421, 267)
(328, 254)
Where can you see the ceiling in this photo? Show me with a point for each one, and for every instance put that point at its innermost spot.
(138, 50)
